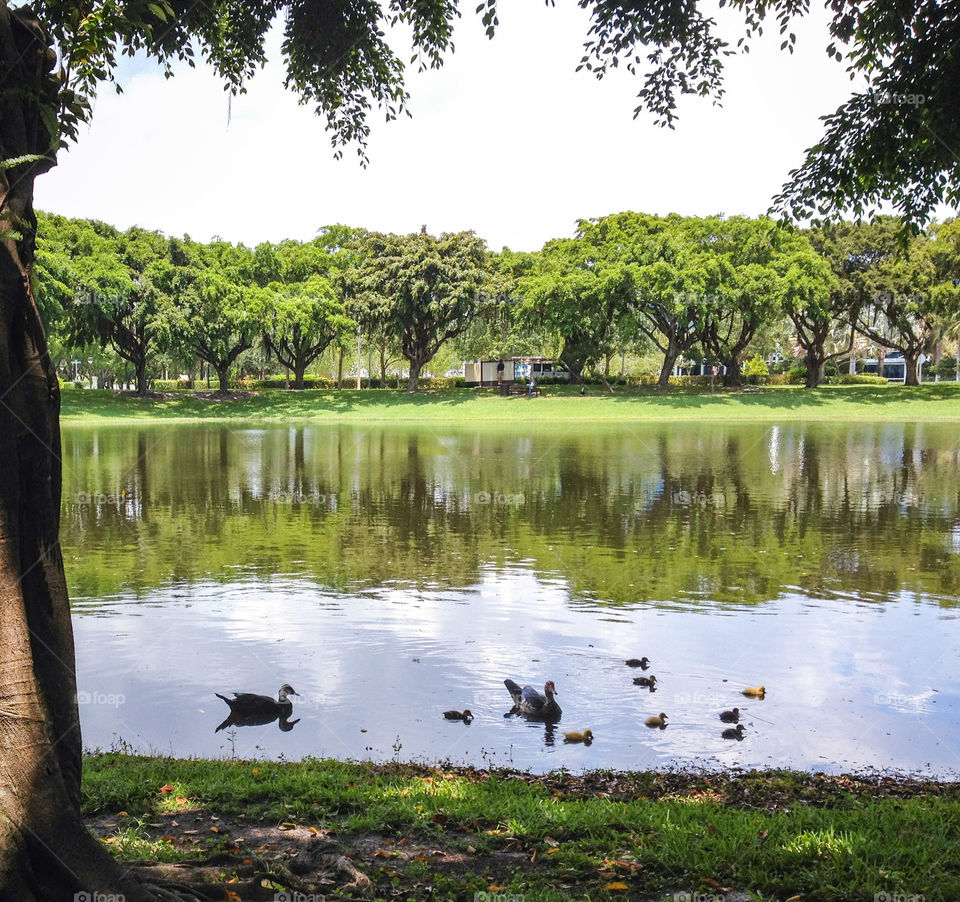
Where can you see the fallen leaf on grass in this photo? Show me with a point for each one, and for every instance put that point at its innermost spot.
(617, 884)
(288, 825)
(167, 788)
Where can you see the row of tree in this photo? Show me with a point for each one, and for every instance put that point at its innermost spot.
(714, 286)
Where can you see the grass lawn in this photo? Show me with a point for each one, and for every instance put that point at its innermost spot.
(399, 832)
(558, 404)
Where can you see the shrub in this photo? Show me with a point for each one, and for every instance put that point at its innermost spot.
(859, 379)
(797, 375)
(755, 366)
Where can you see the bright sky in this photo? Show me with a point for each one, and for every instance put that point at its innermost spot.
(506, 139)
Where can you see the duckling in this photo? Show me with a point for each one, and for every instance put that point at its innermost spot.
(643, 662)
(755, 692)
(732, 716)
(658, 720)
(586, 737)
(734, 733)
(465, 715)
(645, 681)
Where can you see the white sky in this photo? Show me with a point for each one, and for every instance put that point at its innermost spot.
(506, 139)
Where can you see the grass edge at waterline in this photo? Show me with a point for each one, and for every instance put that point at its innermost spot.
(866, 403)
(649, 835)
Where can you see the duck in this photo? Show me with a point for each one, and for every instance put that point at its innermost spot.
(645, 681)
(249, 709)
(585, 737)
(465, 715)
(755, 691)
(528, 701)
(734, 733)
(657, 720)
(731, 716)
(643, 662)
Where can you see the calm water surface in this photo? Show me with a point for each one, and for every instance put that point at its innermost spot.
(389, 574)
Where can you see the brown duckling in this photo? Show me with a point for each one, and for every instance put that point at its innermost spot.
(645, 681)
(732, 716)
(657, 720)
(643, 662)
(734, 733)
(755, 691)
(466, 716)
(586, 737)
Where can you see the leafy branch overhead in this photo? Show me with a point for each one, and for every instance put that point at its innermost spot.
(897, 138)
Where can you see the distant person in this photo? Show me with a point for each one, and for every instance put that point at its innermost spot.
(500, 368)
(531, 386)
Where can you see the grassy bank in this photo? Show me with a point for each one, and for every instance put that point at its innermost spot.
(419, 833)
(559, 404)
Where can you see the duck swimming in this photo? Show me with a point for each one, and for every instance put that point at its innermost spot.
(755, 692)
(643, 662)
(645, 681)
(530, 702)
(657, 720)
(586, 737)
(734, 733)
(249, 709)
(465, 715)
(731, 716)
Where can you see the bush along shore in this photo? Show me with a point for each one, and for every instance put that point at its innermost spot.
(864, 403)
(329, 829)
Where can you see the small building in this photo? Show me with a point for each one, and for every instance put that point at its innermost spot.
(894, 367)
(484, 372)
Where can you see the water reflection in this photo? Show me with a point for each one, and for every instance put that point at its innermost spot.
(822, 561)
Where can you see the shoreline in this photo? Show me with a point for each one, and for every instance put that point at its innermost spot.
(935, 402)
(411, 831)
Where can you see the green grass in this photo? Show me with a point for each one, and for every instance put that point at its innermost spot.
(559, 404)
(776, 834)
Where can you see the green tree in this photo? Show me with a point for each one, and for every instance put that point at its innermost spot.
(427, 290)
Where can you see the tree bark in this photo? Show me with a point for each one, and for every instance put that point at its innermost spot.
(45, 851)
(911, 367)
(299, 371)
(223, 377)
(732, 378)
(816, 371)
(413, 378)
(669, 361)
(141, 376)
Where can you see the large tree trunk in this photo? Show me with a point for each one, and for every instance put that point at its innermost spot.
(45, 851)
(141, 376)
(732, 378)
(299, 370)
(413, 379)
(911, 369)
(816, 370)
(223, 377)
(669, 361)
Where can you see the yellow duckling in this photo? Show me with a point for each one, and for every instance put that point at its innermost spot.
(657, 720)
(755, 692)
(585, 737)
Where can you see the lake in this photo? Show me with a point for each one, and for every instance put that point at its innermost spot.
(391, 573)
